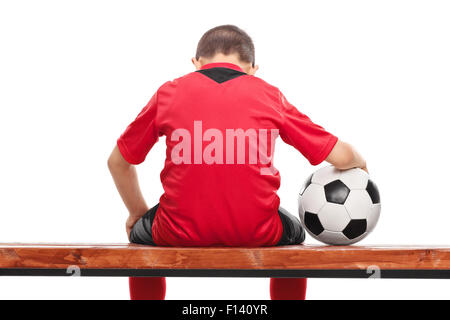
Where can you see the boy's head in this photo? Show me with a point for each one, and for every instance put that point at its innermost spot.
(229, 44)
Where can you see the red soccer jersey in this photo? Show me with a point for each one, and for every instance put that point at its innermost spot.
(219, 182)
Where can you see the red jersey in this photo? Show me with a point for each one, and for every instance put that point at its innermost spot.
(219, 181)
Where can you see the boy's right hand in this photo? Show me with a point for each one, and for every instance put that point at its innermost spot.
(344, 156)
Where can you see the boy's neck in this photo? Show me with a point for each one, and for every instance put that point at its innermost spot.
(226, 58)
(222, 58)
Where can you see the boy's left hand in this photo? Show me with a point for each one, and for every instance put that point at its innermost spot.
(131, 221)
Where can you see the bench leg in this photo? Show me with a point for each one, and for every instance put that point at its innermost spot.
(147, 288)
(287, 289)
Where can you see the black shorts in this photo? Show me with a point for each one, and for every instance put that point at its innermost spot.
(293, 232)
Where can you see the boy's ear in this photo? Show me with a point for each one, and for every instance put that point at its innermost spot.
(196, 63)
(253, 70)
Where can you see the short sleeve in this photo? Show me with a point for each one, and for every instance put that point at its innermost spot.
(313, 141)
(140, 136)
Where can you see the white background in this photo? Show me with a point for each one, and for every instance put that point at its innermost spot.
(73, 74)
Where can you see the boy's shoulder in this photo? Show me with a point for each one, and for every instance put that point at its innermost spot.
(263, 83)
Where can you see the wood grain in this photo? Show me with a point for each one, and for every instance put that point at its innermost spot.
(130, 256)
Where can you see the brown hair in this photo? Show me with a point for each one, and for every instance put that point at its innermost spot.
(226, 39)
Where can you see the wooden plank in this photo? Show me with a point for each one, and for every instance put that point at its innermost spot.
(130, 256)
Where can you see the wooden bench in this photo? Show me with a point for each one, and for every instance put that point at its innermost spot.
(307, 261)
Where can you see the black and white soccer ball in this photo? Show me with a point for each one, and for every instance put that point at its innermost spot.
(339, 207)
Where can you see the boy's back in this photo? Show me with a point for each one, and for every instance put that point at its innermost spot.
(219, 181)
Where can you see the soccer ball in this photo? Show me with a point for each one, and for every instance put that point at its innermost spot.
(339, 207)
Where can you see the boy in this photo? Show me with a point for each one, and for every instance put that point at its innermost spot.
(220, 185)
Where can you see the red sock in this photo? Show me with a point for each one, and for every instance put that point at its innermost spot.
(287, 289)
(147, 288)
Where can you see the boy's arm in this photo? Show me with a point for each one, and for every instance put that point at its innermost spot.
(344, 156)
(126, 180)
(131, 149)
(314, 142)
